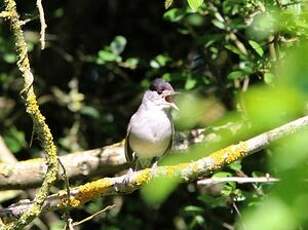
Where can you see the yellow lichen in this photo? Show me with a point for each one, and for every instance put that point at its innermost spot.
(171, 170)
(229, 154)
(143, 177)
(90, 191)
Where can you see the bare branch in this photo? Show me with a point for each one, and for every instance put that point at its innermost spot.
(8, 157)
(30, 173)
(240, 180)
(103, 161)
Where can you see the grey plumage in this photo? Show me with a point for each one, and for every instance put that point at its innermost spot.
(151, 129)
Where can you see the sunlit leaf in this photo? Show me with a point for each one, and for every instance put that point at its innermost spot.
(269, 78)
(236, 75)
(256, 47)
(218, 24)
(190, 83)
(192, 209)
(195, 4)
(107, 56)
(168, 3)
(118, 45)
(15, 139)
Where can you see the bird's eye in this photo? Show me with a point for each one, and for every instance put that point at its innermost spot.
(169, 99)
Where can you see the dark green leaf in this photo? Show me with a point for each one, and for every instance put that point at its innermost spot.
(174, 15)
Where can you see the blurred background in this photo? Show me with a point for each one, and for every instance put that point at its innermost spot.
(241, 66)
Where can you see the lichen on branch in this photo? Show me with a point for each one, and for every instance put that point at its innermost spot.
(40, 127)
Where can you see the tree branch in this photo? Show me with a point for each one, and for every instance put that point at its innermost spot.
(103, 161)
(40, 127)
(30, 173)
(239, 180)
(43, 23)
(184, 171)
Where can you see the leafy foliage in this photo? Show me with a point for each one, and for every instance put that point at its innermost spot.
(235, 61)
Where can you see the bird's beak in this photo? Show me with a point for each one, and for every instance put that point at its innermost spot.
(168, 95)
(173, 105)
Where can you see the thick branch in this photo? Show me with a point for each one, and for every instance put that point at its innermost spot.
(103, 161)
(184, 171)
(30, 173)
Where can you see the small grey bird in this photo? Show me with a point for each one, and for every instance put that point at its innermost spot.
(150, 130)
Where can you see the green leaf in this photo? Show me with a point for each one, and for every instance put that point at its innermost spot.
(218, 24)
(15, 139)
(192, 209)
(131, 63)
(236, 165)
(174, 15)
(256, 47)
(190, 83)
(168, 3)
(269, 78)
(235, 50)
(194, 4)
(118, 45)
(10, 58)
(107, 56)
(159, 61)
(222, 174)
(90, 111)
(236, 75)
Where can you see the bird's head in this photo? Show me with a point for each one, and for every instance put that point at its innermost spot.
(161, 94)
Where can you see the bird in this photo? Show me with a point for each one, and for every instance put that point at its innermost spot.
(151, 129)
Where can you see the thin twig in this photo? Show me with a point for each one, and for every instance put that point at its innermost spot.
(43, 23)
(239, 180)
(93, 215)
(239, 214)
(67, 216)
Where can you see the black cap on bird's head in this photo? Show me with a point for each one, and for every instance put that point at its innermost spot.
(159, 85)
(164, 89)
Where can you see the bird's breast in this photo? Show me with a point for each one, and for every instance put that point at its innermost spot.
(150, 135)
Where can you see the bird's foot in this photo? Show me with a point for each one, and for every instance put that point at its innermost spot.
(154, 167)
(128, 176)
(126, 180)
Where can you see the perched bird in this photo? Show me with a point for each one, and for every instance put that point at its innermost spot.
(150, 130)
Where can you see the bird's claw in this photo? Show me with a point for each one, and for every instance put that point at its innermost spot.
(154, 167)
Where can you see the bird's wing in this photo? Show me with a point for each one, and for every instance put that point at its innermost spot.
(129, 153)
